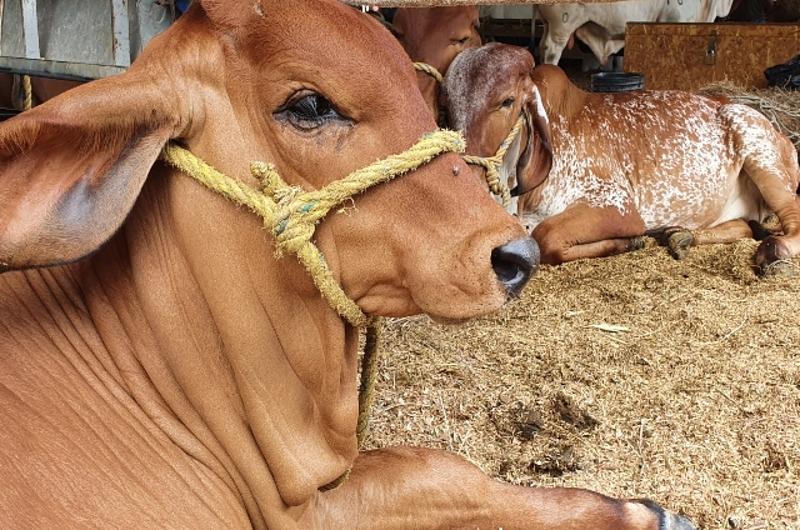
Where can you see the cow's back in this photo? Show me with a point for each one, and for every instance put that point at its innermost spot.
(668, 151)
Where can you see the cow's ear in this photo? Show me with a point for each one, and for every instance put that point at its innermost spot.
(540, 146)
(72, 168)
(232, 14)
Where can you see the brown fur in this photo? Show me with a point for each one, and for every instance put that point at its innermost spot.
(435, 36)
(183, 376)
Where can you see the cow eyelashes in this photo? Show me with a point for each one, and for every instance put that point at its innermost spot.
(312, 107)
(309, 111)
(508, 103)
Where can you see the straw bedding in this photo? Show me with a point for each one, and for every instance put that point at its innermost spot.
(635, 376)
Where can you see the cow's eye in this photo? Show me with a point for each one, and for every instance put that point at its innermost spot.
(309, 111)
(462, 41)
(508, 103)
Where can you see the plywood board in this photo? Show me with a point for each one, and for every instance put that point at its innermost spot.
(689, 56)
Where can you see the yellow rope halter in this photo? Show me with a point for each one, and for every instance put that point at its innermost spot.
(492, 164)
(27, 91)
(425, 68)
(291, 213)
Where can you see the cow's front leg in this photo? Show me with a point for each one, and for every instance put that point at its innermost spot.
(679, 240)
(582, 231)
(409, 488)
(554, 42)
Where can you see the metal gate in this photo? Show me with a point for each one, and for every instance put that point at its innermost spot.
(77, 39)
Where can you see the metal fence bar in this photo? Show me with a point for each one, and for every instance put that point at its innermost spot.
(2, 10)
(122, 37)
(30, 25)
(57, 69)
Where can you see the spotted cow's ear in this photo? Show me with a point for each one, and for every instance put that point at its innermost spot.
(540, 145)
(72, 168)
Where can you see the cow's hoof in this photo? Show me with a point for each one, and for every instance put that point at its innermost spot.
(668, 520)
(773, 259)
(637, 243)
(679, 242)
(778, 269)
(671, 521)
(762, 231)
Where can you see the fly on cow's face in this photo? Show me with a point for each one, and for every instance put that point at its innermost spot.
(307, 110)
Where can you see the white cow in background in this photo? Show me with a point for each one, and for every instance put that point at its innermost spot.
(602, 26)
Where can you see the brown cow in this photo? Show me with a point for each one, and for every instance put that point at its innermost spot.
(626, 164)
(167, 370)
(435, 36)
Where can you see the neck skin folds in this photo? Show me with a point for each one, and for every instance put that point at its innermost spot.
(233, 355)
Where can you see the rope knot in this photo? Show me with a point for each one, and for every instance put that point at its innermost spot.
(493, 177)
(295, 217)
(291, 213)
(492, 166)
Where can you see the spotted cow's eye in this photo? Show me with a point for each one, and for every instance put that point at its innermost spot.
(310, 111)
(508, 103)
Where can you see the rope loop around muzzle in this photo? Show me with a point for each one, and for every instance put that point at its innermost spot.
(492, 164)
(291, 213)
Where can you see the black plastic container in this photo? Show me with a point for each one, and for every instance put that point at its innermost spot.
(786, 75)
(617, 82)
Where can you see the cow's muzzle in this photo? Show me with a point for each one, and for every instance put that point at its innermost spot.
(514, 263)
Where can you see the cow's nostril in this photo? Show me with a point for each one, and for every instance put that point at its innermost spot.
(515, 262)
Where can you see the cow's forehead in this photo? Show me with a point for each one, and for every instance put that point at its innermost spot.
(479, 75)
(335, 45)
(428, 20)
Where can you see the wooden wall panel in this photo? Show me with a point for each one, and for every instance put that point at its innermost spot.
(679, 56)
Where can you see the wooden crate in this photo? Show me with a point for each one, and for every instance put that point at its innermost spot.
(689, 56)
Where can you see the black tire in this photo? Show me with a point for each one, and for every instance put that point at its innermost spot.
(617, 82)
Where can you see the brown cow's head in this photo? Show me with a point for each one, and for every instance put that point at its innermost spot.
(314, 87)
(435, 36)
(486, 90)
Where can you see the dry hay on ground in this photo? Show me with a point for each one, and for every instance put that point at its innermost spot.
(634, 376)
(781, 107)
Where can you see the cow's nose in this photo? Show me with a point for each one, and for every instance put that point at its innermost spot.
(515, 262)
